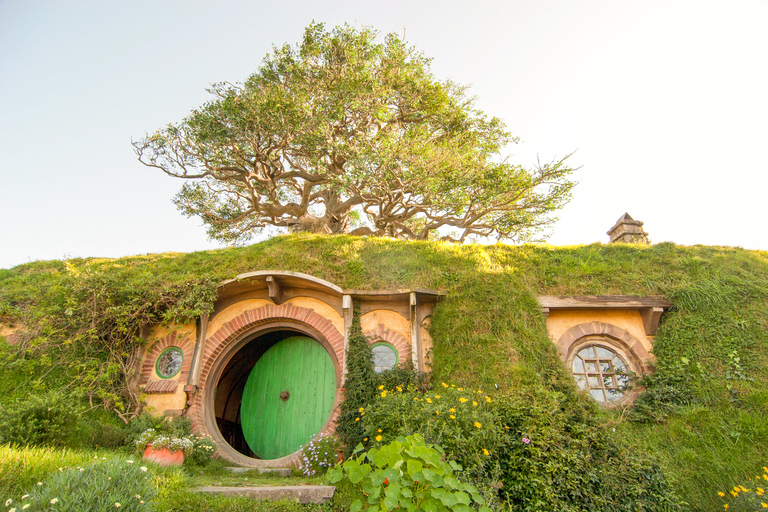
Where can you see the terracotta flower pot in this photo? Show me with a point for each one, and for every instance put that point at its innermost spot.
(164, 456)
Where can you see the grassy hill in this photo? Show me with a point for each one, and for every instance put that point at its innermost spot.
(703, 417)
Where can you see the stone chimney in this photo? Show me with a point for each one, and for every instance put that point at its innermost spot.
(629, 231)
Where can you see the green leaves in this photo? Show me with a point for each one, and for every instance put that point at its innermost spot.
(395, 476)
(343, 123)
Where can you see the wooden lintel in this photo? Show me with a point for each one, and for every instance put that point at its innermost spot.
(275, 290)
(651, 318)
(602, 302)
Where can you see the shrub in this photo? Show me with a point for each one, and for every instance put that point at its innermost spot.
(319, 455)
(201, 453)
(49, 418)
(752, 497)
(410, 474)
(109, 484)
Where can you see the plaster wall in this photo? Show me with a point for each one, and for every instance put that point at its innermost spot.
(321, 308)
(370, 322)
(162, 337)
(234, 310)
(559, 321)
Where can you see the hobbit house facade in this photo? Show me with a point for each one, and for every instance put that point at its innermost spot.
(264, 372)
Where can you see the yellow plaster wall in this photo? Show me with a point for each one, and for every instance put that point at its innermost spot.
(158, 403)
(234, 310)
(322, 309)
(560, 321)
(391, 320)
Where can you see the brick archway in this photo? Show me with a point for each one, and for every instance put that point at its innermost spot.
(394, 338)
(147, 373)
(223, 344)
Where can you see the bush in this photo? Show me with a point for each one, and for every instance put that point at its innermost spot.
(109, 484)
(319, 455)
(409, 474)
(50, 418)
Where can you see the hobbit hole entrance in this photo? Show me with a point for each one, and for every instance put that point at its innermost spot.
(275, 393)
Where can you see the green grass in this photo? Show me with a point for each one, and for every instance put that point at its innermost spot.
(714, 436)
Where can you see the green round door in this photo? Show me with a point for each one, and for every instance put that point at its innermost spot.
(288, 397)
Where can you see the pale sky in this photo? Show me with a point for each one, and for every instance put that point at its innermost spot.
(665, 104)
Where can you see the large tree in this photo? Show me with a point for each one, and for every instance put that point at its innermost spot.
(346, 133)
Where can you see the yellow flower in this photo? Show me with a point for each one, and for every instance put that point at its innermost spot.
(452, 417)
(760, 489)
(462, 389)
(437, 411)
(477, 424)
(764, 505)
(444, 384)
(462, 399)
(451, 410)
(384, 394)
(380, 430)
(399, 388)
(378, 438)
(474, 403)
(721, 494)
(506, 427)
(486, 452)
(437, 397)
(361, 409)
(743, 489)
(488, 399)
(429, 400)
(726, 506)
(734, 493)
(357, 419)
(365, 439)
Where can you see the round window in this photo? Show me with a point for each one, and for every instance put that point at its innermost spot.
(169, 362)
(602, 372)
(384, 357)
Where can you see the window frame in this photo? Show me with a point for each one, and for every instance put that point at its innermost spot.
(392, 348)
(157, 362)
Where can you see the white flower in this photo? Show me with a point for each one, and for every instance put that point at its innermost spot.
(26, 506)
(39, 484)
(143, 468)
(129, 461)
(54, 501)
(25, 496)
(117, 505)
(12, 509)
(8, 502)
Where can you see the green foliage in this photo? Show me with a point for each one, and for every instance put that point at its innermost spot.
(749, 497)
(319, 455)
(706, 423)
(359, 388)
(408, 474)
(109, 484)
(363, 130)
(463, 422)
(50, 418)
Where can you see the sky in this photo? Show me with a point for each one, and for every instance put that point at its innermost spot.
(663, 103)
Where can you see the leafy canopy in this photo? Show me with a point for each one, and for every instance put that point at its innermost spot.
(348, 134)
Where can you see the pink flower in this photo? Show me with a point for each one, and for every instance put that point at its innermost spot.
(526, 440)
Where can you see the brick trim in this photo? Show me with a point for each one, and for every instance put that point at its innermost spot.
(617, 335)
(394, 338)
(150, 358)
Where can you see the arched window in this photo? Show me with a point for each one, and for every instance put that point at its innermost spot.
(384, 357)
(600, 369)
(169, 362)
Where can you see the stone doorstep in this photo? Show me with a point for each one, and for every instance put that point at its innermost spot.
(263, 471)
(301, 493)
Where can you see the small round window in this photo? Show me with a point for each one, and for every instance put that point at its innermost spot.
(169, 362)
(384, 357)
(601, 372)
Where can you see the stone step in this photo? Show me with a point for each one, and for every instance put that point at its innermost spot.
(263, 471)
(301, 493)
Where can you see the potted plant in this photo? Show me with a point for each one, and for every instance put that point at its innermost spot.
(162, 448)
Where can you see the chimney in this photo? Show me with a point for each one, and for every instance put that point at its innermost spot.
(628, 231)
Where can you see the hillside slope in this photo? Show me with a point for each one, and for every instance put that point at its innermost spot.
(704, 414)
